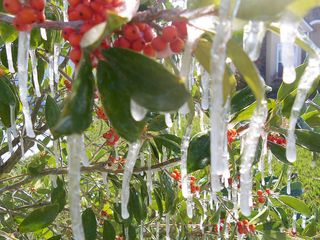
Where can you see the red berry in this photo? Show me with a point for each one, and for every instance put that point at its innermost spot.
(75, 39)
(138, 45)
(84, 12)
(41, 17)
(74, 3)
(131, 32)
(67, 31)
(261, 199)
(268, 191)
(259, 192)
(158, 44)
(12, 6)
(169, 34)
(122, 42)
(177, 45)
(252, 228)
(27, 15)
(37, 4)
(21, 26)
(181, 28)
(75, 55)
(149, 50)
(148, 34)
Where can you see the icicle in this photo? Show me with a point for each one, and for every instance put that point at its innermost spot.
(167, 226)
(126, 233)
(142, 231)
(310, 75)
(22, 147)
(270, 162)
(262, 157)
(184, 154)
(289, 181)
(137, 111)
(56, 152)
(34, 64)
(51, 76)
(142, 160)
(288, 32)
(74, 175)
(304, 220)
(9, 141)
(23, 48)
(13, 127)
(164, 154)
(82, 148)
(106, 183)
(168, 120)
(56, 54)
(149, 177)
(217, 113)
(43, 33)
(253, 36)
(202, 128)
(9, 57)
(65, 10)
(54, 180)
(250, 145)
(190, 206)
(294, 223)
(157, 227)
(205, 79)
(132, 156)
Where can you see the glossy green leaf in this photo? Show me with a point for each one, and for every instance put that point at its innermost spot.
(312, 118)
(8, 33)
(115, 98)
(6, 94)
(242, 99)
(39, 218)
(261, 10)
(279, 152)
(89, 224)
(296, 189)
(260, 217)
(108, 231)
(311, 229)
(296, 204)
(76, 116)
(148, 82)
(59, 195)
(52, 113)
(308, 139)
(157, 123)
(198, 152)
(135, 206)
(169, 141)
(274, 235)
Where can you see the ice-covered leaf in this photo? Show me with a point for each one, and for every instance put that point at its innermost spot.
(80, 103)
(89, 224)
(39, 218)
(198, 152)
(308, 139)
(279, 152)
(169, 141)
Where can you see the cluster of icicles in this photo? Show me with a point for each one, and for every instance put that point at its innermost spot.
(212, 98)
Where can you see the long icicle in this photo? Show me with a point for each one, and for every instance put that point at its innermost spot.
(13, 121)
(74, 175)
(253, 35)
(9, 57)
(51, 75)
(310, 75)
(56, 55)
(23, 56)
(250, 145)
(149, 175)
(34, 64)
(218, 58)
(133, 153)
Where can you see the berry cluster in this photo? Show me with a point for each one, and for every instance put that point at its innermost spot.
(32, 11)
(140, 37)
(244, 227)
(277, 138)
(232, 134)
(100, 114)
(92, 12)
(116, 163)
(111, 137)
(176, 175)
(219, 227)
(262, 196)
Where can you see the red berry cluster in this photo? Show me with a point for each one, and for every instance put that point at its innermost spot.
(100, 114)
(111, 137)
(92, 12)
(244, 227)
(176, 175)
(277, 138)
(262, 196)
(25, 14)
(216, 227)
(232, 134)
(140, 37)
(116, 163)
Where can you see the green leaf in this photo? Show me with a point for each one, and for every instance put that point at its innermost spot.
(7, 97)
(260, 217)
(301, 7)
(58, 195)
(157, 123)
(262, 10)
(39, 218)
(169, 141)
(279, 152)
(52, 113)
(296, 189)
(308, 139)
(58, 237)
(242, 99)
(274, 235)
(311, 229)
(148, 82)
(76, 116)
(312, 118)
(108, 231)
(198, 152)
(115, 98)
(296, 204)
(135, 205)
(6, 94)
(89, 224)
(247, 68)
(8, 33)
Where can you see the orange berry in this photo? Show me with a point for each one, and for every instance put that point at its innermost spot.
(74, 3)
(259, 192)
(159, 44)
(252, 228)
(177, 45)
(169, 34)
(181, 28)
(84, 12)
(12, 6)
(75, 39)
(21, 26)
